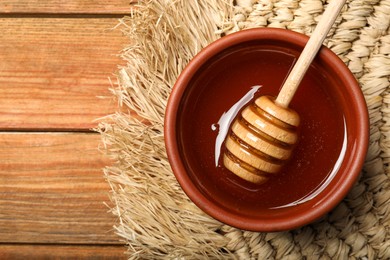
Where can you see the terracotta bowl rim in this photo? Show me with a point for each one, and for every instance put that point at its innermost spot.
(230, 218)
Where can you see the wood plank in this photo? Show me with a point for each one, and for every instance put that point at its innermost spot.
(52, 71)
(23, 252)
(69, 6)
(52, 189)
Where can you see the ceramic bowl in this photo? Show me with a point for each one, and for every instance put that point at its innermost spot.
(333, 134)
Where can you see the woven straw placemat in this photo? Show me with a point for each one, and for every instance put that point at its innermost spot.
(155, 217)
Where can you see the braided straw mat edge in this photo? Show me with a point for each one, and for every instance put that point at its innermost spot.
(155, 217)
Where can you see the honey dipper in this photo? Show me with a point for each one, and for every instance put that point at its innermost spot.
(262, 137)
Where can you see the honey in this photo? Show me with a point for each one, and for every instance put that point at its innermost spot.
(218, 86)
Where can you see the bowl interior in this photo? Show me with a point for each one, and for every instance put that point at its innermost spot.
(326, 160)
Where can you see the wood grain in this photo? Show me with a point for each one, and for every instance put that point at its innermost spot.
(52, 190)
(23, 252)
(56, 58)
(69, 6)
(53, 71)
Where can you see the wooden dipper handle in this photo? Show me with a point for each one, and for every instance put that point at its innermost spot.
(293, 80)
(263, 136)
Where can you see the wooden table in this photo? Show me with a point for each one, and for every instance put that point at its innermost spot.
(56, 58)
